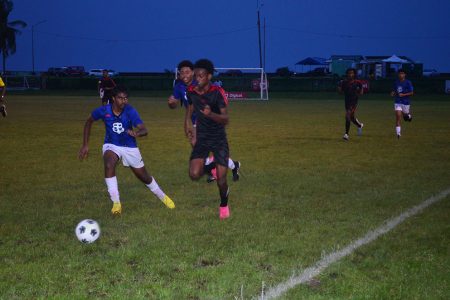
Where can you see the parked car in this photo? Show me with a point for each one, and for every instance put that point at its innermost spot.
(430, 73)
(99, 73)
(57, 71)
(75, 71)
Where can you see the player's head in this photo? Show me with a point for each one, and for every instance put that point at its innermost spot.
(120, 96)
(203, 70)
(105, 73)
(351, 73)
(186, 71)
(401, 74)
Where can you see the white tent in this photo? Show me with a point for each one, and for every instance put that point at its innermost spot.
(394, 59)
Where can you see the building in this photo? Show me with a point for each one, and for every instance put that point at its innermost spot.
(374, 66)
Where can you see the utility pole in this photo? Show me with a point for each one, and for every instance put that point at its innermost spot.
(32, 42)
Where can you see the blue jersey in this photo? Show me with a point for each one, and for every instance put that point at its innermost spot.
(179, 93)
(402, 87)
(117, 126)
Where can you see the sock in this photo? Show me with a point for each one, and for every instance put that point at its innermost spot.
(209, 160)
(398, 130)
(207, 168)
(154, 187)
(113, 190)
(224, 197)
(347, 126)
(231, 164)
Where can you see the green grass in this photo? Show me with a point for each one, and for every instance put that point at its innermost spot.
(303, 192)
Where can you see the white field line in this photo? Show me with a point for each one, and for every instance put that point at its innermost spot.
(327, 260)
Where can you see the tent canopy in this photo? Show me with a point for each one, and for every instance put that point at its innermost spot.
(395, 60)
(313, 61)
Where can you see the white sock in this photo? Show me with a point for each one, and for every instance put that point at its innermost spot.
(398, 130)
(231, 164)
(154, 187)
(209, 160)
(113, 190)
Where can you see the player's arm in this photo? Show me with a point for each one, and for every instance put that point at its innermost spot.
(361, 88)
(86, 134)
(140, 131)
(408, 93)
(188, 126)
(221, 118)
(172, 101)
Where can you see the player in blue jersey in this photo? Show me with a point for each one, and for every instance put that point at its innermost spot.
(178, 97)
(123, 125)
(402, 90)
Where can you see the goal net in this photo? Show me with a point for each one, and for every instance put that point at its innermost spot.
(241, 83)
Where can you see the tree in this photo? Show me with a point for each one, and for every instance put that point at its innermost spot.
(8, 31)
(284, 72)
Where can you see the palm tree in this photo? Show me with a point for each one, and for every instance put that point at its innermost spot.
(8, 30)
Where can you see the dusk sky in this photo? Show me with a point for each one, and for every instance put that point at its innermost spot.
(142, 35)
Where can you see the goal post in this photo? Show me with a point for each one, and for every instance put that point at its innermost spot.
(241, 83)
(21, 83)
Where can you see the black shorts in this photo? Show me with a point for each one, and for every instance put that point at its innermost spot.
(219, 148)
(351, 105)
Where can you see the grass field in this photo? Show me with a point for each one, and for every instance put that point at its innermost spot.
(304, 192)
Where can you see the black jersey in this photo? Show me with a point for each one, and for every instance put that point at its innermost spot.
(351, 89)
(216, 99)
(107, 82)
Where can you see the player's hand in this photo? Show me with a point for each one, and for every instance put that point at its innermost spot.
(132, 133)
(84, 151)
(172, 102)
(189, 132)
(401, 95)
(392, 94)
(206, 110)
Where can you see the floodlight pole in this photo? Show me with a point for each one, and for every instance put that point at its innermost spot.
(32, 42)
(259, 40)
(264, 63)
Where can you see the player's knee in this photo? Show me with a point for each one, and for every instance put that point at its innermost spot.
(195, 174)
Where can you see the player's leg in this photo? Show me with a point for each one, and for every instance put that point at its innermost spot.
(355, 121)
(406, 113)
(3, 111)
(398, 118)
(110, 160)
(212, 174)
(152, 185)
(197, 167)
(234, 166)
(132, 158)
(347, 123)
(224, 210)
(221, 155)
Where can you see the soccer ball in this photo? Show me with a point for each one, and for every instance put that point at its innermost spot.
(87, 231)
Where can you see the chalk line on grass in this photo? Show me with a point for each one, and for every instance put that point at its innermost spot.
(327, 260)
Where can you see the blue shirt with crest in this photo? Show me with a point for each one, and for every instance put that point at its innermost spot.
(179, 93)
(402, 87)
(117, 126)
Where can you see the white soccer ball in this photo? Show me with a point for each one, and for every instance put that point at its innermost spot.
(87, 231)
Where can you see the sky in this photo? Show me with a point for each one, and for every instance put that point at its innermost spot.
(144, 35)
